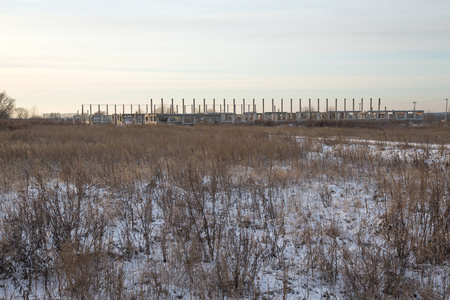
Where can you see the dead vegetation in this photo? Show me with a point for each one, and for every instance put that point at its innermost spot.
(210, 211)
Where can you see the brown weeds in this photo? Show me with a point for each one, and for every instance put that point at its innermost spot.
(87, 200)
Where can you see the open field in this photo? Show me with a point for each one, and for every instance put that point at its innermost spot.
(167, 212)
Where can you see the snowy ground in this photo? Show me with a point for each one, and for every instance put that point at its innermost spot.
(300, 254)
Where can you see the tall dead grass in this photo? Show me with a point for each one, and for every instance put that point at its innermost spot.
(220, 193)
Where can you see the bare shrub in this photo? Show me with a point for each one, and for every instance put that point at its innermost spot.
(204, 211)
(326, 196)
(85, 274)
(363, 273)
(237, 265)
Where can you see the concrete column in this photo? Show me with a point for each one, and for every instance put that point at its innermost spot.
(446, 110)
(183, 108)
(162, 105)
(224, 105)
(345, 109)
(291, 106)
(115, 115)
(318, 109)
(171, 106)
(337, 116)
(263, 107)
(204, 106)
(309, 110)
(362, 105)
(379, 104)
(243, 107)
(214, 105)
(234, 106)
(254, 106)
(123, 109)
(193, 106)
(107, 110)
(273, 105)
(151, 105)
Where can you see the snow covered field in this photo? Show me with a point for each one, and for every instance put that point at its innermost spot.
(332, 218)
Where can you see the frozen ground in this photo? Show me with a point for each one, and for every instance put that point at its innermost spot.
(300, 238)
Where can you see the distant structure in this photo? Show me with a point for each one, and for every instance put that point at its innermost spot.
(58, 116)
(227, 113)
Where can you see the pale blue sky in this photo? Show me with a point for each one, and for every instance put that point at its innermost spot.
(58, 55)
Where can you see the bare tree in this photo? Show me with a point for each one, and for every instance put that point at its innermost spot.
(34, 113)
(22, 113)
(7, 105)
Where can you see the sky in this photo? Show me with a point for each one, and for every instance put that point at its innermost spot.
(57, 55)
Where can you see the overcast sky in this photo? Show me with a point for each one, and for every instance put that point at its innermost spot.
(58, 54)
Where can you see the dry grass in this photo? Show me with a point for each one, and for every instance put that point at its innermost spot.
(220, 191)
